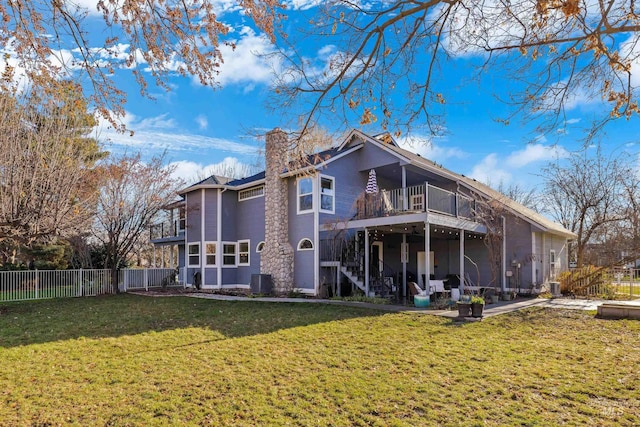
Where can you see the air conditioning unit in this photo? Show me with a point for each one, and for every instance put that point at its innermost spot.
(261, 284)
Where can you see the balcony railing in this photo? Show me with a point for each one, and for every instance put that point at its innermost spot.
(412, 199)
(167, 229)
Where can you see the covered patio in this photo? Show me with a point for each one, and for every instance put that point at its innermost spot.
(382, 255)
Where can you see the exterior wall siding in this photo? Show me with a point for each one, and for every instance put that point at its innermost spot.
(301, 226)
(250, 225)
(518, 237)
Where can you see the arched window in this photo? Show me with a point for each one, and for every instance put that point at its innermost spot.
(260, 247)
(305, 245)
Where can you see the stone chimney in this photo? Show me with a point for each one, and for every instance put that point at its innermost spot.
(276, 258)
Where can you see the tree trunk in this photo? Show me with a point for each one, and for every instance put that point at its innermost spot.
(114, 278)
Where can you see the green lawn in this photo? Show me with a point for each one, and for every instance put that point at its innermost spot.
(135, 361)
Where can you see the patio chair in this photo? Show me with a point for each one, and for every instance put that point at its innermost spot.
(415, 289)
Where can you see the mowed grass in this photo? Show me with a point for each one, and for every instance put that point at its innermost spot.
(134, 361)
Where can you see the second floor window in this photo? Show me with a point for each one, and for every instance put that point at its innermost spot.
(305, 194)
(182, 219)
(327, 194)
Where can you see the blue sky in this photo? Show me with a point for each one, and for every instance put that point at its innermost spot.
(199, 127)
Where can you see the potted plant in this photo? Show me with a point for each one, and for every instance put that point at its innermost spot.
(477, 306)
(464, 307)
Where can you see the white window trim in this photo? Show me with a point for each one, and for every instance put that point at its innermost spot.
(216, 254)
(189, 254)
(313, 201)
(305, 249)
(243, 264)
(262, 242)
(333, 205)
(248, 190)
(222, 255)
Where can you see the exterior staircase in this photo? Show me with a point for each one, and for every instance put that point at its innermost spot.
(353, 277)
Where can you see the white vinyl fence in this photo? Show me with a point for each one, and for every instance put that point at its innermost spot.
(44, 284)
(144, 278)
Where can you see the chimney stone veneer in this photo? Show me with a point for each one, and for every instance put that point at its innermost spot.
(276, 258)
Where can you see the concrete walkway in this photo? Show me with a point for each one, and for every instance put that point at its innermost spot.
(501, 307)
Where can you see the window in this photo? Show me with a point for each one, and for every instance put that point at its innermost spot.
(305, 195)
(552, 263)
(243, 252)
(260, 247)
(182, 219)
(229, 254)
(327, 194)
(251, 193)
(194, 255)
(210, 254)
(305, 245)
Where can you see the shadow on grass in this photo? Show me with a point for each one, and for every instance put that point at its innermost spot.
(34, 322)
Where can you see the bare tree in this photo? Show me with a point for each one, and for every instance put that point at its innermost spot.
(51, 38)
(586, 194)
(516, 192)
(552, 51)
(549, 51)
(131, 195)
(47, 174)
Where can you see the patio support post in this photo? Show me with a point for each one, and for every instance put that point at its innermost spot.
(154, 255)
(366, 261)
(504, 254)
(461, 260)
(405, 256)
(427, 250)
(405, 201)
(162, 248)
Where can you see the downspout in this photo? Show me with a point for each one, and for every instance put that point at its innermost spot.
(186, 243)
(461, 254)
(219, 241)
(504, 254)
(203, 250)
(316, 236)
(533, 258)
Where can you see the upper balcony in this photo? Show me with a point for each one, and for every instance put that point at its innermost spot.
(412, 200)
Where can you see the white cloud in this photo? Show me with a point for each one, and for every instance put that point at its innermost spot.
(159, 134)
(487, 171)
(202, 122)
(191, 172)
(572, 121)
(219, 6)
(246, 64)
(630, 50)
(302, 4)
(535, 153)
(430, 150)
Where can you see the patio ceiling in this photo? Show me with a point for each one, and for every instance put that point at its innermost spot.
(417, 229)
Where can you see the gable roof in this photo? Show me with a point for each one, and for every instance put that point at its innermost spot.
(484, 190)
(240, 182)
